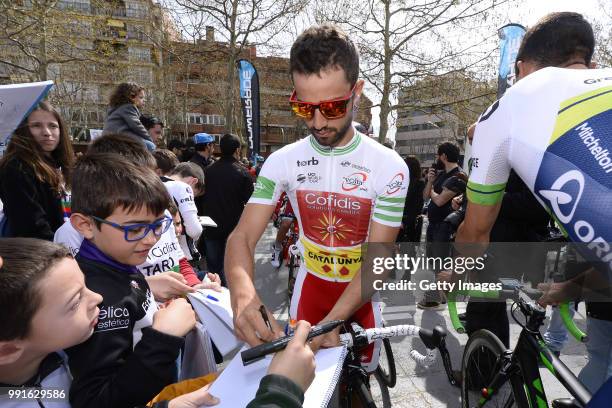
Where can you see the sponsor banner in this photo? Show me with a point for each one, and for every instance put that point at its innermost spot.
(511, 36)
(337, 264)
(16, 102)
(334, 219)
(249, 96)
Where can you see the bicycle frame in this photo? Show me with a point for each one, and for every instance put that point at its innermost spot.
(523, 362)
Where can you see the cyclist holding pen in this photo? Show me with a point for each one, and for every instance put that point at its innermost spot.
(345, 189)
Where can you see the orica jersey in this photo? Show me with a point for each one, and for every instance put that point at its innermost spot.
(554, 128)
(335, 193)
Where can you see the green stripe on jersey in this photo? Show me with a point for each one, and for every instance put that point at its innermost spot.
(385, 217)
(264, 188)
(390, 208)
(392, 199)
(336, 150)
(484, 194)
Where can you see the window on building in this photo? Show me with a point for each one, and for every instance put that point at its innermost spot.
(139, 54)
(136, 32)
(82, 6)
(140, 75)
(136, 9)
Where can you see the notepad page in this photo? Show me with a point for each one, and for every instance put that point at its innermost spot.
(238, 384)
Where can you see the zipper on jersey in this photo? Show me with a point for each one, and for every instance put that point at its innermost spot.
(330, 212)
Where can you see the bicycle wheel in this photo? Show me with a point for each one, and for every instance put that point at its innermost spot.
(481, 361)
(386, 365)
(379, 390)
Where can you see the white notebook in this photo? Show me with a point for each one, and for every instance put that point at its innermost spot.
(215, 310)
(238, 384)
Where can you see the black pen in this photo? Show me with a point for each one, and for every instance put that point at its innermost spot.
(264, 316)
(255, 353)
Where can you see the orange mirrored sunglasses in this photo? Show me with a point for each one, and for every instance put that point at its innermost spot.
(332, 109)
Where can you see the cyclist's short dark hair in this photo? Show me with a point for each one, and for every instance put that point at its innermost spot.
(124, 145)
(106, 181)
(323, 47)
(450, 150)
(26, 261)
(556, 39)
(166, 160)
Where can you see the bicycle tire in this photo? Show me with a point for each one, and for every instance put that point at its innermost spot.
(480, 362)
(384, 390)
(387, 371)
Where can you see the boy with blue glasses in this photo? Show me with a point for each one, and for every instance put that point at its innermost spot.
(119, 208)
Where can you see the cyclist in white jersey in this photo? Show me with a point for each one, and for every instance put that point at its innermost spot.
(345, 189)
(554, 128)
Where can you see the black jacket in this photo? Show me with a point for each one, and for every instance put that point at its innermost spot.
(33, 209)
(276, 391)
(108, 370)
(228, 188)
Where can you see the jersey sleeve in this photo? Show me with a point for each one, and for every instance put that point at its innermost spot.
(490, 161)
(271, 181)
(391, 189)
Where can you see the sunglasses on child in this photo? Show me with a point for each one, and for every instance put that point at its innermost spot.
(136, 232)
(332, 109)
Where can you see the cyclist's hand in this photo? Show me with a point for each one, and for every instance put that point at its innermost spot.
(194, 399)
(558, 292)
(168, 285)
(176, 319)
(249, 325)
(297, 361)
(327, 340)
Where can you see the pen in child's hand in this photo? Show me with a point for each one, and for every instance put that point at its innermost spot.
(264, 316)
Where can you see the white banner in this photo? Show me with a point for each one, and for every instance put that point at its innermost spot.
(16, 102)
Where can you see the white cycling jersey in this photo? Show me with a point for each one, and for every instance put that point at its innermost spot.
(554, 128)
(335, 193)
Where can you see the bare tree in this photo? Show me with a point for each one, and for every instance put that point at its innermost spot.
(240, 24)
(401, 42)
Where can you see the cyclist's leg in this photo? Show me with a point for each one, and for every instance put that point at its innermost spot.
(599, 348)
(277, 246)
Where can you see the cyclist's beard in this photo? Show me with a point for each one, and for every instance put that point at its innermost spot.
(334, 135)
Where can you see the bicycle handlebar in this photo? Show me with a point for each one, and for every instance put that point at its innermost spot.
(431, 338)
(520, 294)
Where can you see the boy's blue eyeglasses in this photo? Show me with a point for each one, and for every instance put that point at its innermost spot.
(136, 232)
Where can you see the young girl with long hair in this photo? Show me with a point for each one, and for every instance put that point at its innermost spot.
(35, 175)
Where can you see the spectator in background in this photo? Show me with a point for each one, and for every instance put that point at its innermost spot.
(124, 114)
(35, 175)
(154, 126)
(204, 144)
(438, 231)
(166, 161)
(178, 148)
(409, 231)
(228, 188)
(184, 183)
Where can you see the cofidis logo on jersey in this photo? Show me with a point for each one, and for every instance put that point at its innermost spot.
(334, 219)
(575, 177)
